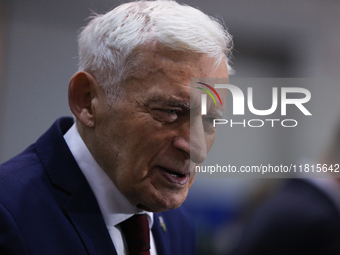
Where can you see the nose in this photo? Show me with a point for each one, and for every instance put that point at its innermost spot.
(192, 141)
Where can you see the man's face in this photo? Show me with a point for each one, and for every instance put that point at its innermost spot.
(142, 140)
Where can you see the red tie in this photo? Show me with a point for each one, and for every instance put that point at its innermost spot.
(136, 232)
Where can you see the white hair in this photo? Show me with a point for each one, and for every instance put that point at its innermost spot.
(106, 44)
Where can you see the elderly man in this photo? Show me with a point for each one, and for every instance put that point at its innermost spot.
(105, 184)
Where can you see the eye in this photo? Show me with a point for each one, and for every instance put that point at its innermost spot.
(171, 115)
(172, 112)
(166, 115)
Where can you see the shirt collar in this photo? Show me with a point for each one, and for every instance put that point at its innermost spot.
(114, 206)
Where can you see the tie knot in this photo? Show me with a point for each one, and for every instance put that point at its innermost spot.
(136, 232)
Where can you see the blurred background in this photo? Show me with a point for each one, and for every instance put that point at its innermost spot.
(273, 39)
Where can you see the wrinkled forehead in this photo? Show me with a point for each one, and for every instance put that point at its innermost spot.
(176, 73)
(156, 59)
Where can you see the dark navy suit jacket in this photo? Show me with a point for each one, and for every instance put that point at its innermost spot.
(47, 206)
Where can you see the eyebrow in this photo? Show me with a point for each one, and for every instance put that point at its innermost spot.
(179, 102)
(169, 100)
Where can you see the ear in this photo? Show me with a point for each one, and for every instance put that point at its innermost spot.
(81, 91)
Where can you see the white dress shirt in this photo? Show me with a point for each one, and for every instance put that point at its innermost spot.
(114, 207)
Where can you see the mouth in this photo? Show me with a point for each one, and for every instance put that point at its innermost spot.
(174, 177)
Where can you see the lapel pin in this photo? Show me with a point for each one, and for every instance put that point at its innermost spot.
(161, 222)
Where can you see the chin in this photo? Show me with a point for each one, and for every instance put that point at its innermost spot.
(163, 203)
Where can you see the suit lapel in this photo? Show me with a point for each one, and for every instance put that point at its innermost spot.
(162, 239)
(86, 217)
(81, 205)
